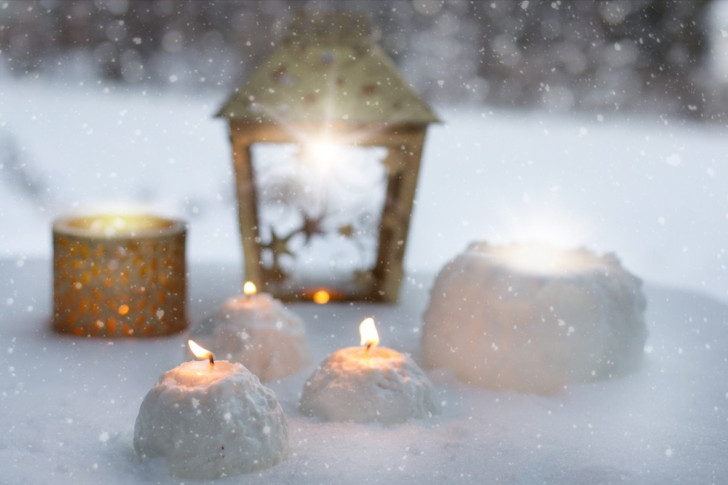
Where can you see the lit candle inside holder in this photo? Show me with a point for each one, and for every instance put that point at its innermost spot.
(368, 383)
(210, 419)
(119, 275)
(534, 318)
(256, 330)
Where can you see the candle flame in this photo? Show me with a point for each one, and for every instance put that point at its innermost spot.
(249, 288)
(321, 297)
(201, 352)
(368, 332)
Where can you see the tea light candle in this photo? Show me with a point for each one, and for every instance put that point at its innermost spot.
(210, 419)
(119, 275)
(368, 383)
(256, 330)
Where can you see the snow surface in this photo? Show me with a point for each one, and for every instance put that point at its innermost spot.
(651, 190)
(69, 405)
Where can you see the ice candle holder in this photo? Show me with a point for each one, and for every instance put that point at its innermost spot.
(119, 275)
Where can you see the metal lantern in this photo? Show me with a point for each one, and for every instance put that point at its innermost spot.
(327, 139)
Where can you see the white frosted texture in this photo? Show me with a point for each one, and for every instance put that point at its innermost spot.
(534, 318)
(258, 332)
(379, 385)
(208, 426)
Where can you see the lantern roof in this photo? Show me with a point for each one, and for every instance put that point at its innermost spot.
(328, 69)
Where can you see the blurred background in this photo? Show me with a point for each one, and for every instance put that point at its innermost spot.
(663, 56)
(600, 124)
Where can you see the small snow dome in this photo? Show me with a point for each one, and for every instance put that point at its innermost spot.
(326, 139)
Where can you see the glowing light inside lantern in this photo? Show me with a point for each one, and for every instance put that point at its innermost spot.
(201, 352)
(368, 333)
(545, 259)
(320, 157)
(249, 288)
(322, 151)
(321, 297)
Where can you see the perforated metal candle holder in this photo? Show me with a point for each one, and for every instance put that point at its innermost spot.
(119, 276)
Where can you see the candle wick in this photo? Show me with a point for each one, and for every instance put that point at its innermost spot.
(369, 346)
(212, 360)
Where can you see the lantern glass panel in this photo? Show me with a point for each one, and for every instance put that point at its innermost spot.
(319, 214)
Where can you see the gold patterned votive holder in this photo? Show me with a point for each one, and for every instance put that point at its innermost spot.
(119, 275)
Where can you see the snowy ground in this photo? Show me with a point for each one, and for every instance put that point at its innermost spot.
(651, 190)
(69, 405)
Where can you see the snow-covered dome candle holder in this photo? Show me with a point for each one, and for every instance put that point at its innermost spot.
(257, 331)
(534, 318)
(368, 383)
(210, 420)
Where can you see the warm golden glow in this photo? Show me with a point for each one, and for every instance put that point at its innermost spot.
(368, 332)
(249, 288)
(321, 297)
(119, 224)
(200, 352)
(545, 259)
(123, 309)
